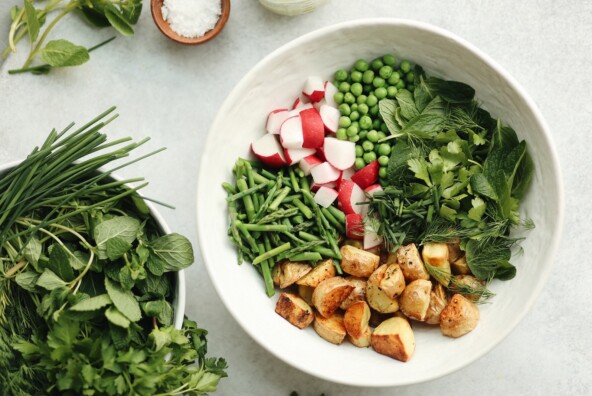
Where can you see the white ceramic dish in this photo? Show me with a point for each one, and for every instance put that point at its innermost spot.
(273, 83)
(179, 300)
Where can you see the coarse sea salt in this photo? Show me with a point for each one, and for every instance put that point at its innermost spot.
(191, 18)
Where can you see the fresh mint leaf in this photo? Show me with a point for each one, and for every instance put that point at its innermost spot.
(407, 104)
(32, 20)
(49, 280)
(387, 108)
(436, 106)
(155, 265)
(482, 186)
(116, 247)
(450, 91)
(124, 227)
(424, 126)
(124, 300)
(131, 10)
(32, 251)
(92, 304)
(59, 263)
(62, 53)
(115, 316)
(27, 280)
(118, 20)
(174, 250)
(78, 259)
(523, 176)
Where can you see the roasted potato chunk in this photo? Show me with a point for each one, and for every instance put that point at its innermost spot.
(459, 317)
(454, 251)
(460, 266)
(294, 309)
(323, 270)
(287, 273)
(436, 255)
(437, 303)
(356, 320)
(394, 338)
(410, 262)
(376, 297)
(358, 262)
(358, 294)
(415, 300)
(329, 295)
(468, 283)
(393, 282)
(330, 328)
(306, 293)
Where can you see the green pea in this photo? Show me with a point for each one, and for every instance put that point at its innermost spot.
(359, 150)
(341, 75)
(382, 172)
(356, 123)
(338, 97)
(365, 122)
(389, 59)
(376, 64)
(369, 157)
(372, 100)
(381, 135)
(354, 107)
(356, 76)
(368, 76)
(354, 116)
(391, 92)
(380, 92)
(344, 87)
(400, 84)
(372, 136)
(378, 82)
(354, 138)
(356, 89)
(368, 145)
(385, 72)
(363, 108)
(405, 66)
(363, 134)
(384, 149)
(349, 98)
(384, 128)
(361, 99)
(383, 160)
(394, 78)
(359, 164)
(344, 109)
(344, 122)
(373, 112)
(376, 123)
(410, 77)
(341, 134)
(361, 65)
(352, 130)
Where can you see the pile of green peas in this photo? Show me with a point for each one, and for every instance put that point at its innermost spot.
(359, 92)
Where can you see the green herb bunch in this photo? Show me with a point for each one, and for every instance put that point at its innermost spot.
(454, 172)
(87, 280)
(29, 21)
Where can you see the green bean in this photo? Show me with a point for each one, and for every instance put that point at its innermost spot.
(303, 208)
(338, 214)
(272, 253)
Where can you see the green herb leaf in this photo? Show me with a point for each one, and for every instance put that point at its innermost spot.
(387, 108)
(124, 227)
(92, 304)
(59, 263)
(115, 316)
(174, 250)
(27, 280)
(478, 209)
(131, 10)
(123, 300)
(62, 53)
(424, 126)
(49, 280)
(118, 20)
(32, 20)
(32, 251)
(407, 104)
(116, 247)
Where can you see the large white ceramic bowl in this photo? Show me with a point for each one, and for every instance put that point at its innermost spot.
(273, 83)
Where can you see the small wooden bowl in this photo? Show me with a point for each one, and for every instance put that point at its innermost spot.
(165, 28)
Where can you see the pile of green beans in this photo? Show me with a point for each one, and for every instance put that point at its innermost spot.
(274, 217)
(360, 90)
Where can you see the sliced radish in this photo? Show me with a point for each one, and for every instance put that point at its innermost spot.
(354, 226)
(330, 91)
(371, 239)
(325, 196)
(295, 155)
(314, 88)
(372, 189)
(300, 101)
(340, 153)
(268, 150)
(318, 105)
(345, 175)
(321, 154)
(330, 116)
(351, 197)
(325, 173)
(366, 176)
(307, 163)
(313, 128)
(297, 110)
(275, 119)
(315, 186)
(291, 134)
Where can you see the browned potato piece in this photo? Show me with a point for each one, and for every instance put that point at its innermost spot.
(394, 338)
(356, 320)
(459, 317)
(306, 293)
(287, 272)
(358, 262)
(358, 294)
(437, 303)
(454, 252)
(323, 270)
(460, 266)
(393, 282)
(331, 329)
(411, 264)
(294, 309)
(471, 283)
(376, 318)
(330, 293)
(377, 298)
(436, 255)
(415, 299)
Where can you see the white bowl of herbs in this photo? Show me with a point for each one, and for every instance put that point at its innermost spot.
(487, 94)
(92, 289)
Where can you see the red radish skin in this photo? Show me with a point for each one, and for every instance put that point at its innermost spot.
(324, 173)
(294, 156)
(307, 163)
(354, 226)
(321, 154)
(330, 116)
(269, 151)
(291, 134)
(350, 194)
(325, 196)
(366, 176)
(340, 153)
(300, 101)
(313, 129)
(345, 175)
(315, 186)
(297, 110)
(372, 189)
(275, 119)
(314, 88)
(330, 91)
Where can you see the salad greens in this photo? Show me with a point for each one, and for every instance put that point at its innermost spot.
(86, 282)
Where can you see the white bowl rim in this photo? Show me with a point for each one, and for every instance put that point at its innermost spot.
(179, 301)
(546, 135)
